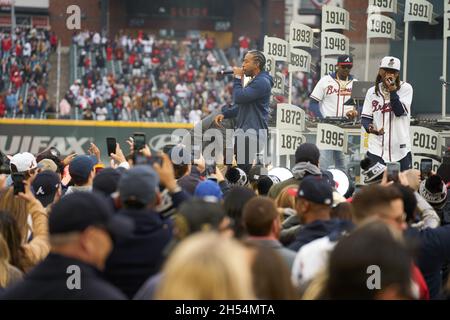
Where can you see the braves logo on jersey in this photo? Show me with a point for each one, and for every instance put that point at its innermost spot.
(332, 95)
(376, 106)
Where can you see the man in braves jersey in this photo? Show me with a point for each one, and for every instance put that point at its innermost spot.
(328, 99)
(386, 116)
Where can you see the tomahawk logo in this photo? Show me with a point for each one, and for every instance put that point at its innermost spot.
(347, 60)
(391, 63)
(40, 191)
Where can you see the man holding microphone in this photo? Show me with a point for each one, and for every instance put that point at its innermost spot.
(386, 116)
(251, 107)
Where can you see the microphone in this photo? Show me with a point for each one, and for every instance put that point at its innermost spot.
(225, 72)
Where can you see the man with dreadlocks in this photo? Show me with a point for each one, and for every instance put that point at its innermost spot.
(251, 108)
(386, 115)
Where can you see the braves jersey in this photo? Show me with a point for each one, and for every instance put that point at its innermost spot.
(395, 143)
(332, 94)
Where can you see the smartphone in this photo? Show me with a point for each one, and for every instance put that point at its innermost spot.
(139, 141)
(426, 166)
(18, 178)
(111, 145)
(259, 159)
(393, 169)
(210, 167)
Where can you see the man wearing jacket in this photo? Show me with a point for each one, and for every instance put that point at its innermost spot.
(82, 227)
(141, 255)
(313, 205)
(251, 108)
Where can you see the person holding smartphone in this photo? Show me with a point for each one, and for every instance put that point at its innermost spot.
(386, 116)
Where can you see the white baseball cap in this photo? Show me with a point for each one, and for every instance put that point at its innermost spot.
(390, 63)
(23, 162)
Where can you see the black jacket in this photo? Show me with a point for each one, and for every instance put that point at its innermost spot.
(433, 254)
(49, 281)
(316, 230)
(140, 256)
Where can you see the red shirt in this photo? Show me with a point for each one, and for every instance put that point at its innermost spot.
(210, 43)
(131, 59)
(109, 52)
(6, 44)
(244, 43)
(2, 108)
(54, 40)
(18, 50)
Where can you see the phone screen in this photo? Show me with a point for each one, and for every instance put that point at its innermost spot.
(111, 145)
(210, 167)
(426, 166)
(18, 178)
(139, 141)
(259, 159)
(393, 169)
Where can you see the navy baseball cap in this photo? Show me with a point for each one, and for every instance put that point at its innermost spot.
(345, 60)
(316, 189)
(107, 181)
(81, 166)
(307, 152)
(139, 184)
(77, 211)
(45, 185)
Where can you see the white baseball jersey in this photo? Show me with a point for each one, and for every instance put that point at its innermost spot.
(395, 144)
(332, 94)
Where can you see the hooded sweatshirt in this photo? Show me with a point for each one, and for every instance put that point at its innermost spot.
(299, 171)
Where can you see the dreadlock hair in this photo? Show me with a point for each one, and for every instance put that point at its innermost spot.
(259, 58)
(379, 80)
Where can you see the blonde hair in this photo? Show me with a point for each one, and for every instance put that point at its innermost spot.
(17, 207)
(284, 199)
(206, 266)
(4, 262)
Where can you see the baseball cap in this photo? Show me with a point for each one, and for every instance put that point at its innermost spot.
(208, 188)
(45, 185)
(282, 174)
(81, 166)
(200, 215)
(47, 165)
(80, 210)
(106, 181)
(345, 60)
(316, 189)
(307, 152)
(22, 162)
(390, 63)
(139, 184)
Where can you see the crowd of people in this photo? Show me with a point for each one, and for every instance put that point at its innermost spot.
(156, 79)
(24, 71)
(145, 226)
